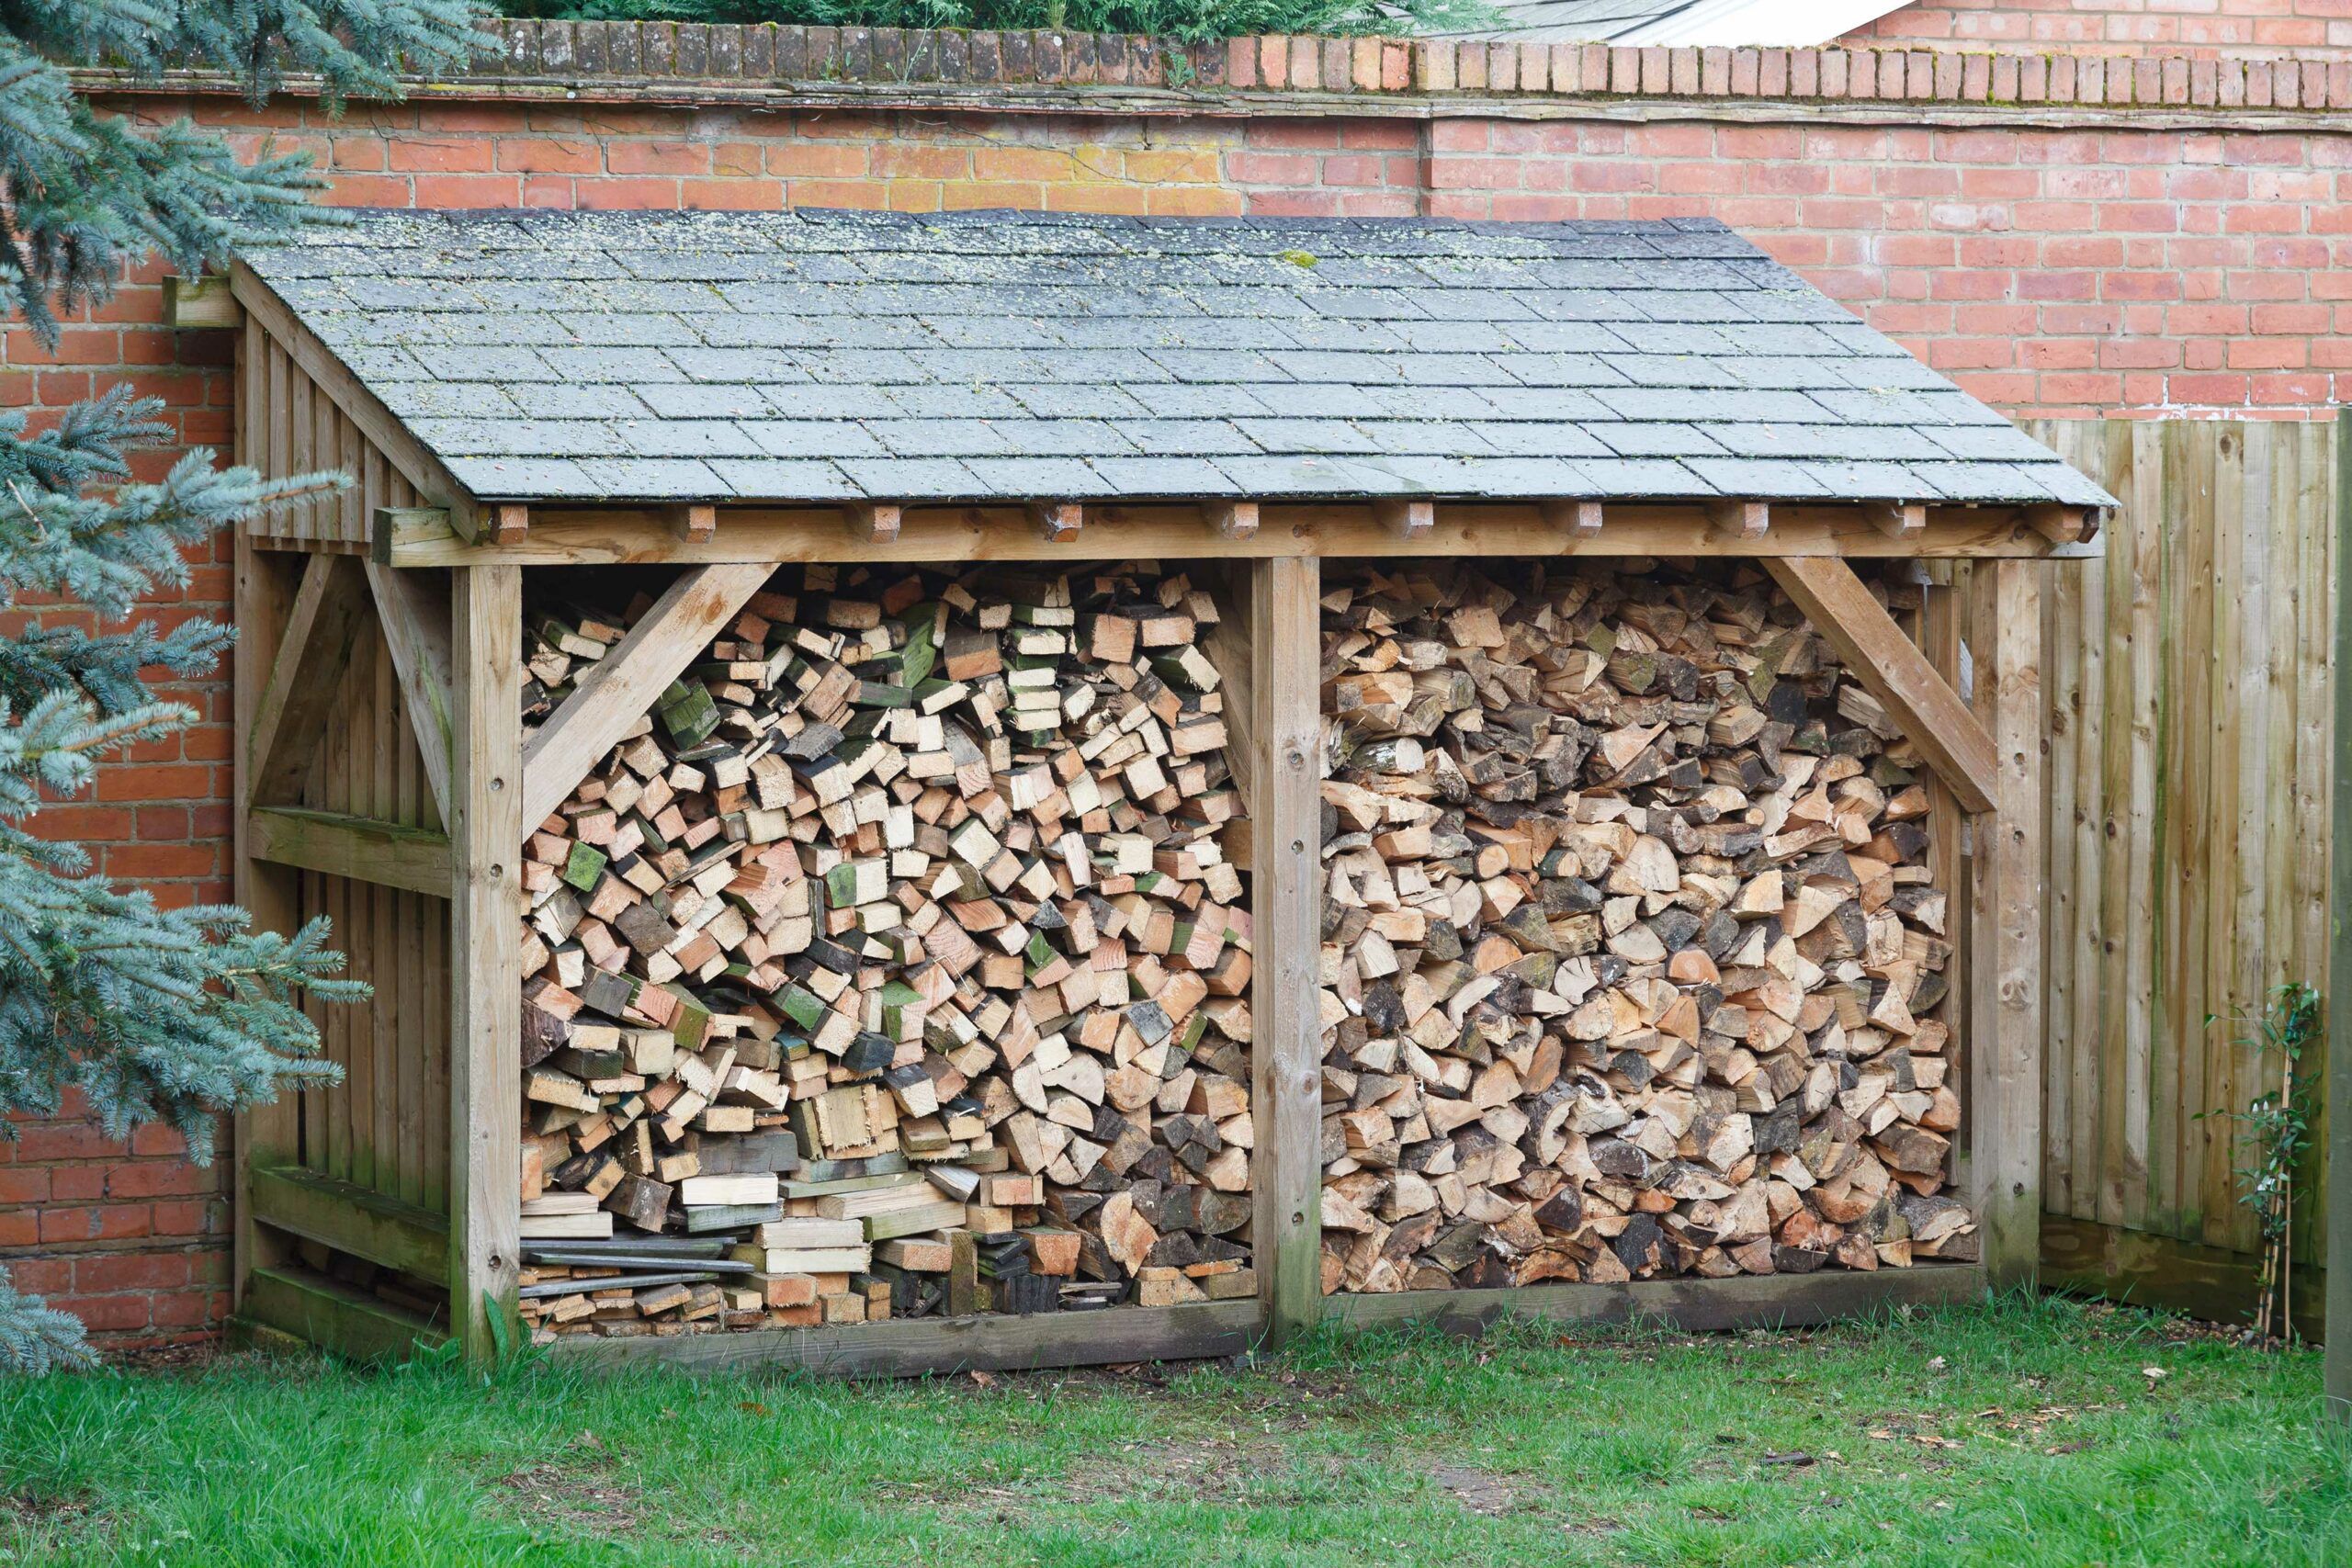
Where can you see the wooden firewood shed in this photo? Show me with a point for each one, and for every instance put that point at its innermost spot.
(554, 409)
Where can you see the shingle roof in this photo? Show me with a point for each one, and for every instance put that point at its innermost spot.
(818, 356)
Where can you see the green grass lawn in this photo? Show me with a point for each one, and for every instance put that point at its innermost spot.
(2022, 1433)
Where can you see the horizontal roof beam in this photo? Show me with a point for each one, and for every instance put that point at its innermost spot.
(562, 536)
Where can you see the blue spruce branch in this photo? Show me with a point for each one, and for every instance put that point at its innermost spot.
(151, 1014)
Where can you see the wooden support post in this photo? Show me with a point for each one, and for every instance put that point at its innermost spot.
(1286, 638)
(1898, 519)
(267, 1135)
(486, 897)
(2008, 883)
(1577, 519)
(2337, 1372)
(415, 609)
(1231, 519)
(305, 678)
(1740, 519)
(695, 524)
(1942, 616)
(1058, 522)
(1892, 669)
(1406, 519)
(617, 689)
(873, 522)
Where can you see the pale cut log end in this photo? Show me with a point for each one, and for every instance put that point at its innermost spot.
(1233, 520)
(692, 524)
(1060, 522)
(1577, 519)
(1407, 519)
(1741, 519)
(1899, 519)
(878, 522)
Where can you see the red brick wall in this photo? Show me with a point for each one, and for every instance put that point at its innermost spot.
(2124, 27)
(2074, 260)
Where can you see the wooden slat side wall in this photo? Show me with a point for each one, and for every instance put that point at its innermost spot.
(385, 1126)
(2188, 694)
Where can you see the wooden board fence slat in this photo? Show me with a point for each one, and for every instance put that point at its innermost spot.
(2190, 770)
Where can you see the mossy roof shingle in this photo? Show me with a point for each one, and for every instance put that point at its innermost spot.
(819, 355)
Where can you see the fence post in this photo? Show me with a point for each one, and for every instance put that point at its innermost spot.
(2339, 1369)
(2005, 923)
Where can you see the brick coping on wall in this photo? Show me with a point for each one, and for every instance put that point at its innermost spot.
(675, 61)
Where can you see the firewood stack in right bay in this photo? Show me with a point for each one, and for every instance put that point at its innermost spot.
(1632, 964)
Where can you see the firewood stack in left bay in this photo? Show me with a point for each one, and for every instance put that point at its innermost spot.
(893, 965)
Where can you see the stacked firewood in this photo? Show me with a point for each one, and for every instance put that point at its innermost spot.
(1632, 955)
(893, 965)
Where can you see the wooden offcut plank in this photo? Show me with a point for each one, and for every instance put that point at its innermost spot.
(354, 1219)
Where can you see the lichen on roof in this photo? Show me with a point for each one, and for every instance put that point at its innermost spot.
(818, 356)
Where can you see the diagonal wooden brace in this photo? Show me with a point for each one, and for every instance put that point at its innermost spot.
(616, 692)
(1892, 669)
(414, 608)
(305, 681)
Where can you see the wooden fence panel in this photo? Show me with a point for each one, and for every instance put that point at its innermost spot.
(2190, 691)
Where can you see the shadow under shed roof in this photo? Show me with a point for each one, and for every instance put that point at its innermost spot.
(819, 356)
